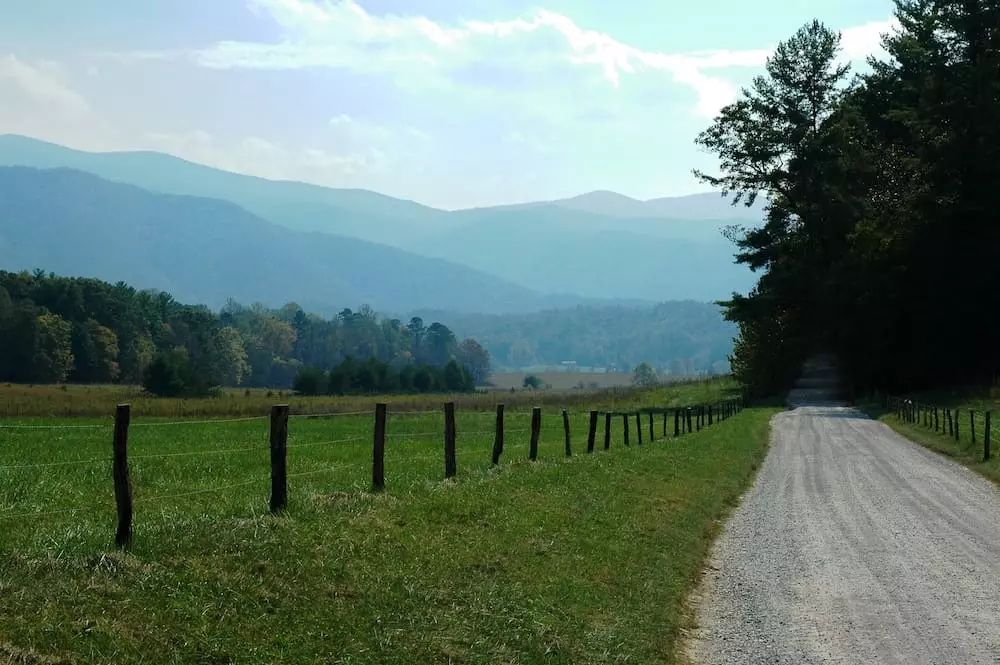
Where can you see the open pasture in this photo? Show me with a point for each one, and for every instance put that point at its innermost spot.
(580, 559)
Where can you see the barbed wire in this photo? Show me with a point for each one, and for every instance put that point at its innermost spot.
(50, 464)
(317, 416)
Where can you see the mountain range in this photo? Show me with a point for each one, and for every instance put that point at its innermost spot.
(205, 234)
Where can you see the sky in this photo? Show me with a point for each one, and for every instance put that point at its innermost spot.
(452, 103)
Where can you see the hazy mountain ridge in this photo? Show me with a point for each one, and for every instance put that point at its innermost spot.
(207, 250)
(627, 255)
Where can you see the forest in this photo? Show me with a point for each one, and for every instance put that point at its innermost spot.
(881, 238)
(55, 329)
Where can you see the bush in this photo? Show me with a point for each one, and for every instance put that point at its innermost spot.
(171, 374)
(310, 381)
(532, 381)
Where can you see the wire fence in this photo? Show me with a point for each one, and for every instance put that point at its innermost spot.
(636, 426)
(971, 425)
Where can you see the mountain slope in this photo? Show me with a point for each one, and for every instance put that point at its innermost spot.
(706, 206)
(598, 245)
(353, 212)
(566, 251)
(206, 250)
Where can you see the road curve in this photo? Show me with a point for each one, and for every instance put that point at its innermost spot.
(853, 546)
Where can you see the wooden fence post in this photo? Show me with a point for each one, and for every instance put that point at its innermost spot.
(972, 424)
(710, 415)
(592, 432)
(651, 428)
(536, 429)
(498, 437)
(607, 430)
(638, 427)
(986, 437)
(958, 436)
(119, 471)
(450, 461)
(699, 411)
(689, 420)
(937, 424)
(677, 422)
(378, 450)
(625, 425)
(951, 426)
(569, 446)
(279, 457)
(664, 423)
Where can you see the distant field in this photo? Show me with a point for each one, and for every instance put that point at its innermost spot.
(563, 380)
(18, 401)
(585, 559)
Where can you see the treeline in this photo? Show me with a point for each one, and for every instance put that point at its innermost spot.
(881, 236)
(55, 329)
(374, 376)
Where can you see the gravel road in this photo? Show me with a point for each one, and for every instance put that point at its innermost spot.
(853, 546)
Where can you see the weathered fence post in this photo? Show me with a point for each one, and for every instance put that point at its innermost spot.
(651, 437)
(498, 437)
(450, 463)
(986, 437)
(536, 430)
(638, 428)
(592, 432)
(689, 427)
(710, 415)
(972, 424)
(279, 457)
(607, 430)
(119, 471)
(569, 446)
(378, 450)
(677, 422)
(625, 427)
(699, 412)
(937, 424)
(958, 436)
(664, 423)
(951, 426)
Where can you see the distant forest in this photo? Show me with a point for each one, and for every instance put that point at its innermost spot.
(881, 238)
(69, 329)
(55, 329)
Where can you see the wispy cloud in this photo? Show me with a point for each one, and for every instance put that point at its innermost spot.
(343, 35)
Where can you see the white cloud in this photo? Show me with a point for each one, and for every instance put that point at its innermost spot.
(861, 41)
(39, 86)
(415, 49)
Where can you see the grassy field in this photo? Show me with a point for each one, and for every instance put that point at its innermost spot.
(963, 450)
(563, 380)
(19, 401)
(585, 559)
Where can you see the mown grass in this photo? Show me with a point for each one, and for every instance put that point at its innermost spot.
(585, 559)
(20, 401)
(964, 449)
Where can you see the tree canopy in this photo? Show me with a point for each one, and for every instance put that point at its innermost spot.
(56, 329)
(880, 238)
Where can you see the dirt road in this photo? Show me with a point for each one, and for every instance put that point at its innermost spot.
(853, 546)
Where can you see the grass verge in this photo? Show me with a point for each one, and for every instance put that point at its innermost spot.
(582, 560)
(963, 450)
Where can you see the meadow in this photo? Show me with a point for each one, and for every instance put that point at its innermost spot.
(73, 401)
(580, 559)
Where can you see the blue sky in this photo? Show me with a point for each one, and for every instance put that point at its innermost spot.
(450, 103)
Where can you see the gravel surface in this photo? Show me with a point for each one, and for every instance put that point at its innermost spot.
(854, 546)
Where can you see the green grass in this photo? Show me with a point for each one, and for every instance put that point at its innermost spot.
(23, 401)
(583, 560)
(963, 450)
